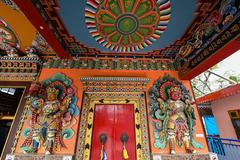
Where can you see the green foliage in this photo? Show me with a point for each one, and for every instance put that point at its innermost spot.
(235, 78)
(213, 80)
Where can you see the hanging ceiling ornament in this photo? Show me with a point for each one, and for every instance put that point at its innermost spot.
(127, 25)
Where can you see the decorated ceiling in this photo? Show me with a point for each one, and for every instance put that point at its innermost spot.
(127, 25)
(16, 31)
(187, 32)
(149, 28)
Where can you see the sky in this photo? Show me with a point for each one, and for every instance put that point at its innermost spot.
(231, 63)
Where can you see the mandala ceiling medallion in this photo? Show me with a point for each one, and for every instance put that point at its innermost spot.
(127, 25)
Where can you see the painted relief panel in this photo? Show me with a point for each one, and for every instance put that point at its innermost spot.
(172, 115)
(71, 77)
(51, 116)
(76, 74)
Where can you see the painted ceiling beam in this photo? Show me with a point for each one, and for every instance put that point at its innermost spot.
(31, 12)
(221, 54)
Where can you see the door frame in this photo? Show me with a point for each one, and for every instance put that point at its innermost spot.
(14, 131)
(126, 96)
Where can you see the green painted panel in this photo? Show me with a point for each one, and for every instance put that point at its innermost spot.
(107, 29)
(127, 24)
(106, 18)
(143, 8)
(128, 5)
(114, 7)
(135, 38)
(149, 20)
(125, 40)
(114, 38)
(145, 31)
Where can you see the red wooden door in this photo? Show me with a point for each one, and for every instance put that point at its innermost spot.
(113, 120)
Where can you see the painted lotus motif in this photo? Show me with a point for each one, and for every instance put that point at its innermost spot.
(127, 25)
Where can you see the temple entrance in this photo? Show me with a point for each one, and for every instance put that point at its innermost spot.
(113, 120)
(115, 106)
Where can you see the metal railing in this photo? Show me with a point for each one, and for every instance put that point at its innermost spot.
(226, 149)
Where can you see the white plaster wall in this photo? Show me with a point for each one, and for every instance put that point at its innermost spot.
(220, 110)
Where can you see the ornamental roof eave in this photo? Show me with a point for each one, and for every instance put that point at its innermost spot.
(220, 94)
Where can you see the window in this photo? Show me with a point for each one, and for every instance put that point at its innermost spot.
(10, 91)
(235, 117)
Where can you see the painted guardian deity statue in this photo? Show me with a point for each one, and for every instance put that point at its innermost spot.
(172, 115)
(52, 106)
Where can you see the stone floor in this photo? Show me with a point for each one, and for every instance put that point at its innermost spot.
(209, 156)
(38, 157)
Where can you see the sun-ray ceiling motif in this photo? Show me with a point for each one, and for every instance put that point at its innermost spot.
(127, 25)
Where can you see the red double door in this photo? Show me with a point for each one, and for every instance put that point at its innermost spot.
(113, 120)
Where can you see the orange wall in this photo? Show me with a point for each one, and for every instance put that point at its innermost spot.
(22, 27)
(75, 75)
(220, 110)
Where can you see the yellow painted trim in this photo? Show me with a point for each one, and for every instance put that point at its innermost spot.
(3, 118)
(24, 87)
(138, 133)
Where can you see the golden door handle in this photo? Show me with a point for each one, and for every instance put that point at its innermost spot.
(124, 139)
